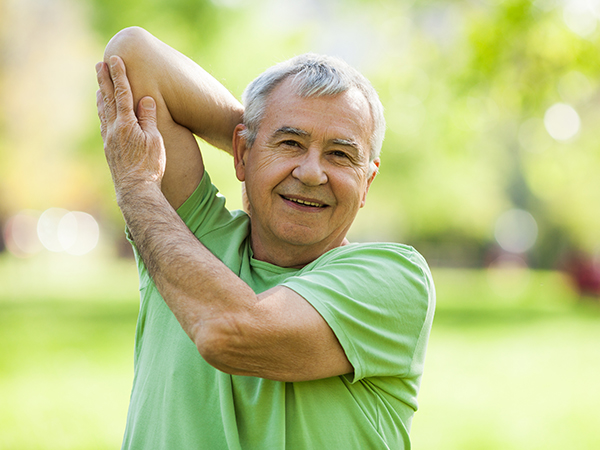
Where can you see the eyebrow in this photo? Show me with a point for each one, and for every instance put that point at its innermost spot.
(290, 130)
(302, 133)
(346, 143)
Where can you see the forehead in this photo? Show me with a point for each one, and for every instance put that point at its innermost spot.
(342, 116)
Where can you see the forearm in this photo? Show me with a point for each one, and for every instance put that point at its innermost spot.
(204, 295)
(193, 97)
(276, 334)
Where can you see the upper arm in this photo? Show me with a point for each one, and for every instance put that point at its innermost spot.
(184, 167)
(189, 101)
(366, 310)
(379, 300)
(280, 337)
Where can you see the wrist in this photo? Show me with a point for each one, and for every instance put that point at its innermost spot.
(135, 192)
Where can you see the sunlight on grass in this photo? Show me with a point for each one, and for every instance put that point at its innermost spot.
(66, 331)
(517, 373)
(530, 385)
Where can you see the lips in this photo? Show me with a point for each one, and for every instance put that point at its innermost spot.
(299, 201)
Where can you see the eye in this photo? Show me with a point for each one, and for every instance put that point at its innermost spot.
(339, 154)
(290, 143)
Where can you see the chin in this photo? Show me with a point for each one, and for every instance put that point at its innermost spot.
(300, 236)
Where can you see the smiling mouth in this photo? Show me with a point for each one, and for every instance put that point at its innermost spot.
(304, 202)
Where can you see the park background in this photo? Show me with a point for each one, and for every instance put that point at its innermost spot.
(489, 168)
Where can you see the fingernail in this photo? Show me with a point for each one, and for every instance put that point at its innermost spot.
(113, 61)
(148, 103)
(98, 67)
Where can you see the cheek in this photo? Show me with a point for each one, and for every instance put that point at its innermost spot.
(262, 177)
(270, 171)
(350, 186)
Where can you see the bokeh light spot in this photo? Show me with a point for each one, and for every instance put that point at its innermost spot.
(20, 234)
(78, 232)
(48, 228)
(562, 121)
(516, 231)
(579, 18)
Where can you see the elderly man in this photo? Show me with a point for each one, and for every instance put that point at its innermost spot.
(265, 329)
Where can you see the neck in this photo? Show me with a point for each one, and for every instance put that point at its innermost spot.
(291, 256)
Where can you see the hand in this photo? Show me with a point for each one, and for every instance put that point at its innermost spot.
(133, 146)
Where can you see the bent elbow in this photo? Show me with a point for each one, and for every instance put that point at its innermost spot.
(210, 347)
(126, 42)
(219, 345)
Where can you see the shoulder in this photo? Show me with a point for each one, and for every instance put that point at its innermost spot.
(389, 271)
(373, 256)
(377, 249)
(378, 299)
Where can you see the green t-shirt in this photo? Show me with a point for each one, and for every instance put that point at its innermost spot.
(377, 298)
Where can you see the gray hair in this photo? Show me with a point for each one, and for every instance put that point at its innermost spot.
(313, 76)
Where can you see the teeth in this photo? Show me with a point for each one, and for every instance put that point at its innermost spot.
(302, 202)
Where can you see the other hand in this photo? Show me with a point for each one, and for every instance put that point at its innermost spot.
(133, 146)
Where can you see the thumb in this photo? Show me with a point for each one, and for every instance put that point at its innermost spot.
(146, 113)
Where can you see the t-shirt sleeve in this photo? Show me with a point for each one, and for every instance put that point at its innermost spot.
(378, 299)
(204, 206)
(205, 209)
(203, 212)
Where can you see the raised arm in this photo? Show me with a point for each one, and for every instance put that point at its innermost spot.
(276, 334)
(189, 100)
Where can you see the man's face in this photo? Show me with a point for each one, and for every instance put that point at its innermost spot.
(307, 173)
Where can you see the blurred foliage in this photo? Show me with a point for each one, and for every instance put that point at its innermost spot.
(465, 85)
(501, 66)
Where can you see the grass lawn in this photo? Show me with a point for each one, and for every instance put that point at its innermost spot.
(515, 372)
(513, 360)
(66, 334)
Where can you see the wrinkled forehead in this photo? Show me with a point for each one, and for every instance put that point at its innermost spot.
(358, 99)
(290, 88)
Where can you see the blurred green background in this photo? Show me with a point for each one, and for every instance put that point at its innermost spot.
(489, 168)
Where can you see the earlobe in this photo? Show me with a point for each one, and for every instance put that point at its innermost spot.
(239, 152)
(374, 168)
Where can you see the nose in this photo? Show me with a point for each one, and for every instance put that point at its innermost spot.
(310, 170)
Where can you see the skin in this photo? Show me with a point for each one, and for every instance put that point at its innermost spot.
(307, 174)
(188, 101)
(276, 334)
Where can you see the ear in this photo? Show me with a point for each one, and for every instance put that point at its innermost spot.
(240, 150)
(372, 176)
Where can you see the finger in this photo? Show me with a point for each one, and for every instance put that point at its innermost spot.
(101, 114)
(107, 91)
(146, 113)
(100, 105)
(123, 95)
